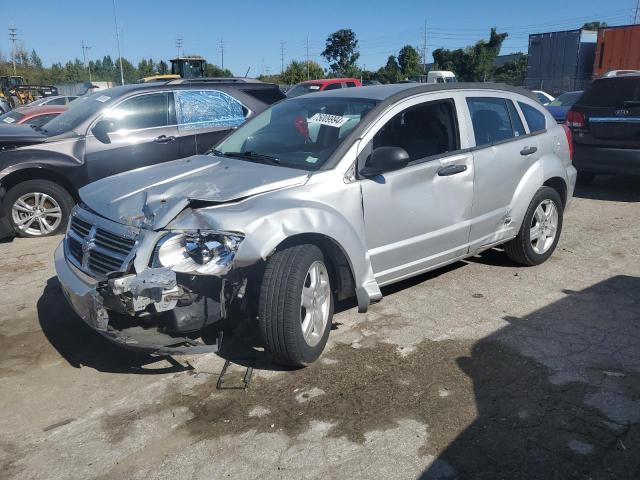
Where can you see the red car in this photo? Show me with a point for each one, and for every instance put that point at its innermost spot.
(311, 86)
(34, 116)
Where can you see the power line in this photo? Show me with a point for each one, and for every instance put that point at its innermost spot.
(12, 36)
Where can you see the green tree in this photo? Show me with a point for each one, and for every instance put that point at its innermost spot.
(296, 72)
(512, 73)
(594, 25)
(34, 60)
(216, 71)
(409, 61)
(130, 72)
(472, 64)
(163, 68)
(390, 73)
(146, 68)
(341, 51)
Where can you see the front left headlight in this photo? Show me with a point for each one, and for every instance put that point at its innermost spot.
(198, 252)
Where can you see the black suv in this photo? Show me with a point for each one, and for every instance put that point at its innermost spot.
(112, 131)
(606, 128)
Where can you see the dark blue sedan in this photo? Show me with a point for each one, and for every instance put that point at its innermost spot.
(561, 105)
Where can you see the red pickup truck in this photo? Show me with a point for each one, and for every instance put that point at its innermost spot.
(311, 86)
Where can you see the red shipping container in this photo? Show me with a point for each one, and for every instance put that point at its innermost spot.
(618, 49)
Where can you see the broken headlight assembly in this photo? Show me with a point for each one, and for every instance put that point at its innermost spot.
(198, 252)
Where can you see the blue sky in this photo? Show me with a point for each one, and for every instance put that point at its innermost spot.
(252, 31)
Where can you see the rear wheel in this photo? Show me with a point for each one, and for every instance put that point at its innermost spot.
(296, 305)
(540, 229)
(38, 208)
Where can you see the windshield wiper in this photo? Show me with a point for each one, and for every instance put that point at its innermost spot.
(249, 154)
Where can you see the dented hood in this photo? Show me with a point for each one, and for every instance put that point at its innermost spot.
(152, 196)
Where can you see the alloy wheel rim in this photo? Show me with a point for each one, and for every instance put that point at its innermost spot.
(315, 303)
(36, 214)
(544, 226)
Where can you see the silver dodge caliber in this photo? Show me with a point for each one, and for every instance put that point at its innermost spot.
(318, 198)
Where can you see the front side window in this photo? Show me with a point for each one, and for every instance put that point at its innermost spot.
(208, 109)
(423, 130)
(56, 101)
(535, 119)
(143, 111)
(300, 133)
(333, 86)
(490, 119)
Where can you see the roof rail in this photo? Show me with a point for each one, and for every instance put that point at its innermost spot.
(190, 81)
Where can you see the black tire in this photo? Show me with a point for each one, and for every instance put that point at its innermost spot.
(279, 306)
(585, 178)
(520, 249)
(53, 190)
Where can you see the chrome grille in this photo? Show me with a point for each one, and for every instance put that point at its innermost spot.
(98, 246)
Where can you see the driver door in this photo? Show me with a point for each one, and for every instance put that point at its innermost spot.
(417, 217)
(142, 132)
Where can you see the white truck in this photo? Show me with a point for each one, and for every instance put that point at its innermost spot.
(441, 76)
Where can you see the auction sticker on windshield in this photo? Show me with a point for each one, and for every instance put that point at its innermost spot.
(102, 98)
(9, 120)
(328, 120)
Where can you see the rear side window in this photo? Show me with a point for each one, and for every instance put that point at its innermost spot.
(491, 120)
(516, 122)
(333, 86)
(265, 95)
(535, 119)
(351, 84)
(208, 109)
(611, 92)
(144, 111)
(57, 101)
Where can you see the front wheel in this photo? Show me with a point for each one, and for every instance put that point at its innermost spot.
(296, 305)
(38, 208)
(540, 229)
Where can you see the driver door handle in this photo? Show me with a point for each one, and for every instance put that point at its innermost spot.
(449, 170)
(528, 150)
(164, 139)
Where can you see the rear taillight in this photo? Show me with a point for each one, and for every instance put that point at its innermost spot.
(575, 119)
(567, 131)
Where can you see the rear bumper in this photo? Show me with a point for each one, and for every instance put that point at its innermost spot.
(606, 160)
(83, 294)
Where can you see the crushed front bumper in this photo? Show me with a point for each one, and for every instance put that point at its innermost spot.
(83, 294)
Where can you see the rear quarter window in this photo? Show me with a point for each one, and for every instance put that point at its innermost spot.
(265, 95)
(534, 117)
(611, 92)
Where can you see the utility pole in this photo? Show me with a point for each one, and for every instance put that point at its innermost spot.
(12, 36)
(87, 65)
(281, 57)
(179, 45)
(424, 48)
(115, 19)
(307, 56)
(222, 53)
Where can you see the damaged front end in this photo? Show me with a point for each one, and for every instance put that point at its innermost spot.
(177, 302)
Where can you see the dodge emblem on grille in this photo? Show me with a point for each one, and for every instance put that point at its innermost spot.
(88, 244)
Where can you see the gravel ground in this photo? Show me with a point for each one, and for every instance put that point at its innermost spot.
(478, 370)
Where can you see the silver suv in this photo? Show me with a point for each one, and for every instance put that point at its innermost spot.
(318, 198)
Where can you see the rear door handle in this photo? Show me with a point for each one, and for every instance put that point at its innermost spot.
(449, 170)
(164, 139)
(528, 150)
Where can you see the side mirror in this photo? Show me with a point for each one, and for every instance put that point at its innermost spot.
(101, 130)
(385, 159)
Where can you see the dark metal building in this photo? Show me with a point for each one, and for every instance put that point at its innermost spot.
(561, 61)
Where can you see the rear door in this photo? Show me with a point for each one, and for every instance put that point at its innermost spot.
(205, 117)
(504, 151)
(611, 108)
(143, 133)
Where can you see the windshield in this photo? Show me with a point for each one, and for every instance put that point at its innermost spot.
(566, 99)
(80, 110)
(298, 133)
(450, 79)
(303, 88)
(11, 117)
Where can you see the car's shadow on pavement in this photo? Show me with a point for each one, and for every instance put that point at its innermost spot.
(557, 393)
(613, 188)
(81, 346)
